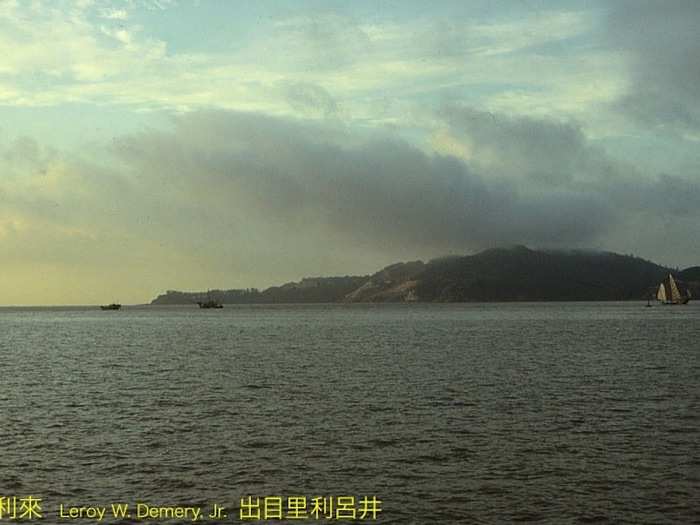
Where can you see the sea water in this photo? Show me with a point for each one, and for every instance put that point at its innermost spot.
(476, 413)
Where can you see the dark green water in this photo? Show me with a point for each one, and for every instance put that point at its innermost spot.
(549, 413)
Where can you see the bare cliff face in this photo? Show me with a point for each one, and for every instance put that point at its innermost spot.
(395, 283)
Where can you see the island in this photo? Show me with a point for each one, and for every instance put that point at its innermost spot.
(500, 274)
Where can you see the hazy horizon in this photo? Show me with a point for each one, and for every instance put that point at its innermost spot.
(148, 145)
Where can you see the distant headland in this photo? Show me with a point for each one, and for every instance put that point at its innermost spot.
(500, 274)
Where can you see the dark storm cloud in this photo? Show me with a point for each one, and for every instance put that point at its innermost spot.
(260, 189)
(379, 190)
(545, 150)
(549, 156)
(662, 41)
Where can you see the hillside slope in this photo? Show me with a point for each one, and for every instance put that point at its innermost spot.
(500, 274)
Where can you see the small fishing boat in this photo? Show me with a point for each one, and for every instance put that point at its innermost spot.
(113, 306)
(210, 303)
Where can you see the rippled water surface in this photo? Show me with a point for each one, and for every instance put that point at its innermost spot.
(553, 413)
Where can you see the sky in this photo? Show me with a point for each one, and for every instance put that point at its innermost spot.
(148, 145)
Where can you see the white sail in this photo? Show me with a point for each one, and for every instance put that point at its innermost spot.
(661, 294)
(675, 293)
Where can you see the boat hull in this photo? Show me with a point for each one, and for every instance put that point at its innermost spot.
(210, 304)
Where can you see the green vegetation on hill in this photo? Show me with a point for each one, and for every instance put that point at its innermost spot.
(691, 274)
(521, 274)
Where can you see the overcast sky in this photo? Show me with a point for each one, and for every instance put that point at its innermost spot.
(148, 145)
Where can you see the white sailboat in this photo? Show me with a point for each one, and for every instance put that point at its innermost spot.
(670, 293)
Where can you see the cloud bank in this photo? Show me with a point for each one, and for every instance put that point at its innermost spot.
(661, 41)
(255, 199)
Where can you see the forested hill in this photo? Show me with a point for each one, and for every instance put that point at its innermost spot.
(521, 274)
(308, 290)
(501, 274)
